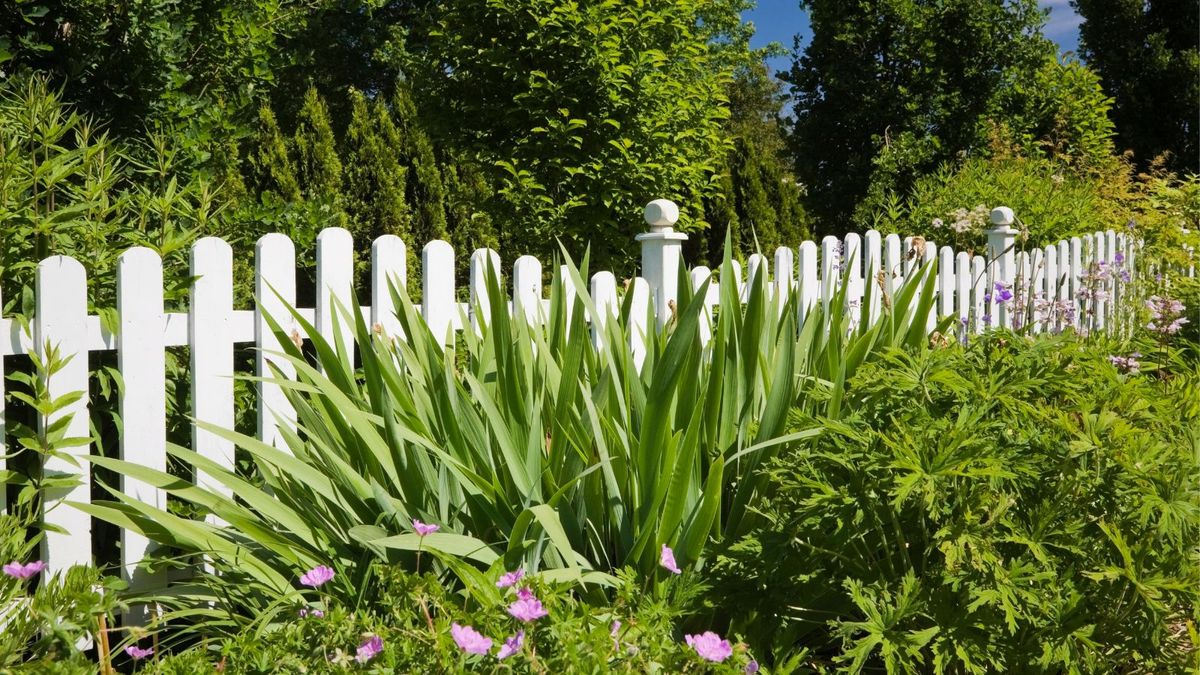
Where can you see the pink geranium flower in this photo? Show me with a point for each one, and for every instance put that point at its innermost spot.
(137, 653)
(511, 646)
(510, 579)
(369, 649)
(527, 608)
(424, 529)
(317, 576)
(710, 646)
(470, 640)
(19, 571)
(667, 560)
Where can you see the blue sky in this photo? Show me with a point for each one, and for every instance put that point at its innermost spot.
(781, 20)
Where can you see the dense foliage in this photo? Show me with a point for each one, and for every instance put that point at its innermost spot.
(1147, 55)
(1018, 506)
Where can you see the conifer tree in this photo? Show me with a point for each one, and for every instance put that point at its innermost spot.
(318, 168)
(270, 162)
(424, 190)
(374, 184)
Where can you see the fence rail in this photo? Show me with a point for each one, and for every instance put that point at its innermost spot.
(1073, 283)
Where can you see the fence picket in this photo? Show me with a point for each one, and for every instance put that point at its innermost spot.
(61, 321)
(698, 276)
(830, 270)
(527, 288)
(874, 280)
(807, 284)
(852, 257)
(1050, 289)
(946, 281)
(928, 256)
(1076, 280)
(275, 287)
(639, 324)
(141, 358)
(604, 297)
(962, 292)
(893, 264)
(439, 307)
(979, 291)
(335, 288)
(210, 341)
(1100, 303)
(480, 310)
(785, 276)
(389, 268)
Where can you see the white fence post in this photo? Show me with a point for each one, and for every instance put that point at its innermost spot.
(785, 280)
(697, 277)
(1001, 238)
(808, 285)
(141, 357)
(61, 321)
(662, 253)
(873, 279)
(527, 289)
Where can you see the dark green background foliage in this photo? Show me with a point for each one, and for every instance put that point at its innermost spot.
(1019, 506)
(1147, 54)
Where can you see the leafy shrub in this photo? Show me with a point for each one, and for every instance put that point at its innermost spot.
(1019, 506)
(637, 632)
(1051, 200)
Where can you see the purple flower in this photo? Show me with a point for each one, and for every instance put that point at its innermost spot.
(369, 649)
(1003, 294)
(510, 578)
(18, 571)
(751, 667)
(315, 613)
(1128, 364)
(987, 319)
(667, 560)
(317, 576)
(527, 608)
(511, 646)
(424, 529)
(469, 640)
(137, 653)
(710, 646)
(1118, 257)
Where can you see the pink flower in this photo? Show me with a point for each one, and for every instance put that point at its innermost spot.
(667, 560)
(469, 640)
(424, 529)
(137, 653)
(511, 646)
(510, 578)
(527, 608)
(19, 571)
(315, 613)
(317, 576)
(369, 649)
(710, 646)
(751, 667)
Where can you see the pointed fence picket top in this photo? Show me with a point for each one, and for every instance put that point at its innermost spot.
(1057, 283)
(61, 325)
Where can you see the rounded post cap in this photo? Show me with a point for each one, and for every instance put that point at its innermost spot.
(661, 215)
(1002, 216)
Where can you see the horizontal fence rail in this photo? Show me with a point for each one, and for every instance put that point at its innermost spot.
(1077, 283)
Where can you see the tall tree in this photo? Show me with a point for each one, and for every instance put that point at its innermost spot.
(887, 89)
(1147, 53)
(585, 111)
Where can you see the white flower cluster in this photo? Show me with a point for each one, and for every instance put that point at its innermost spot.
(963, 221)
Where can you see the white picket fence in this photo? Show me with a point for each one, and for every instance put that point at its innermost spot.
(1064, 274)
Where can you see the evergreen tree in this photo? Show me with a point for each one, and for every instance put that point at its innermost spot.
(271, 165)
(318, 167)
(374, 185)
(1147, 55)
(887, 89)
(425, 192)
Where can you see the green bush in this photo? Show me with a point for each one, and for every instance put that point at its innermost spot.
(1051, 200)
(1018, 506)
